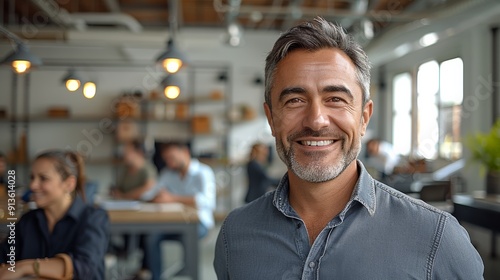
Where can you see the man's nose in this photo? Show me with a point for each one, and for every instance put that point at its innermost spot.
(316, 116)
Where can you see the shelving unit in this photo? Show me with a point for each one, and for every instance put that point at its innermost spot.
(202, 121)
(203, 94)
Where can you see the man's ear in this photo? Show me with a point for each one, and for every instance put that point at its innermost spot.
(366, 116)
(269, 116)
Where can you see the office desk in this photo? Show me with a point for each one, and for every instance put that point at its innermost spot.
(483, 212)
(183, 221)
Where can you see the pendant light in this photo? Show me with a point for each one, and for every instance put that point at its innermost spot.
(21, 59)
(89, 90)
(72, 80)
(172, 59)
(171, 86)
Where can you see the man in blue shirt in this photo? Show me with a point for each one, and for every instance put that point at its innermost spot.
(328, 218)
(184, 180)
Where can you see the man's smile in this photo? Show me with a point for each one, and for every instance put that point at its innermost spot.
(318, 143)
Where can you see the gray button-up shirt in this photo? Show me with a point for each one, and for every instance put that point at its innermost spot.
(380, 234)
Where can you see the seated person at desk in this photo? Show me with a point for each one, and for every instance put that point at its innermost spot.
(136, 176)
(184, 180)
(382, 156)
(259, 181)
(64, 238)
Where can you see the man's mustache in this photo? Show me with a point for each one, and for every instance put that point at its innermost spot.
(307, 132)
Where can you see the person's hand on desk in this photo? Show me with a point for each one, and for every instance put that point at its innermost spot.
(22, 268)
(115, 193)
(52, 268)
(164, 196)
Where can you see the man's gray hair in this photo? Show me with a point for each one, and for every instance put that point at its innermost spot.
(314, 35)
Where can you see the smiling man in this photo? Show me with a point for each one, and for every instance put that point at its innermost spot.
(328, 219)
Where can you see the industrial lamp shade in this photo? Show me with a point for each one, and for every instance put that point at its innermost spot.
(171, 87)
(22, 59)
(72, 81)
(172, 59)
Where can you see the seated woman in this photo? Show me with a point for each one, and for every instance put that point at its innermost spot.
(64, 238)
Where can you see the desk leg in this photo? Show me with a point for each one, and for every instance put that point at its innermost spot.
(493, 244)
(191, 243)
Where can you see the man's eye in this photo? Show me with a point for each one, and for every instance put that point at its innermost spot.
(293, 100)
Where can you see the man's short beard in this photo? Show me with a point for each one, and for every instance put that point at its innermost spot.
(315, 171)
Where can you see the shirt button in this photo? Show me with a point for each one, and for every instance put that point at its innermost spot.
(299, 225)
(312, 264)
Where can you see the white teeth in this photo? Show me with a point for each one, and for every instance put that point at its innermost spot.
(317, 143)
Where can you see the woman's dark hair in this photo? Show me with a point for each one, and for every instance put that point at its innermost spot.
(68, 163)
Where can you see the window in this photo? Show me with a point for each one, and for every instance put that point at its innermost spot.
(427, 109)
(435, 130)
(402, 114)
(451, 97)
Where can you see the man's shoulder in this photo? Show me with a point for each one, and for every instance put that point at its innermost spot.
(196, 167)
(256, 210)
(395, 200)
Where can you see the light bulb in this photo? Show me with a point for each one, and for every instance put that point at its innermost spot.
(72, 84)
(21, 66)
(89, 90)
(172, 65)
(172, 92)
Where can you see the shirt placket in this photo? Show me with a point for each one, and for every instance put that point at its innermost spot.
(312, 263)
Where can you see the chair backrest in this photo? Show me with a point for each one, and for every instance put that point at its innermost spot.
(91, 188)
(436, 191)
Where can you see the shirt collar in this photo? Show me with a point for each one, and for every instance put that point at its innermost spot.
(75, 210)
(364, 193)
(194, 165)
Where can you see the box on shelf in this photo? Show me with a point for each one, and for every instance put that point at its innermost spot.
(127, 107)
(58, 112)
(200, 124)
(182, 111)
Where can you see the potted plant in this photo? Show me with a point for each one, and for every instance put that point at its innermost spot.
(485, 148)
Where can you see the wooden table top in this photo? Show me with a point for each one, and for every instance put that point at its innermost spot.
(155, 213)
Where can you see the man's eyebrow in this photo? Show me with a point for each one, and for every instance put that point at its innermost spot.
(290, 90)
(339, 88)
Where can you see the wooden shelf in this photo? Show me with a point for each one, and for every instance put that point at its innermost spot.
(44, 119)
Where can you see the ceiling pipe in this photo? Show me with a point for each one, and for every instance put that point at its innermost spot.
(283, 12)
(447, 23)
(80, 21)
(59, 15)
(13, 37)
(109, 19)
